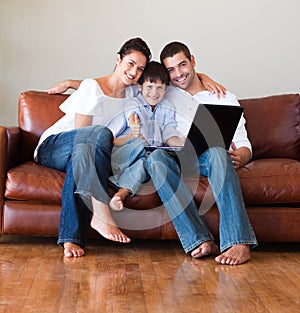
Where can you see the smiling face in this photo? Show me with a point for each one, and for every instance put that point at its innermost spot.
(153, 92)
(131, 67)
(181, 70)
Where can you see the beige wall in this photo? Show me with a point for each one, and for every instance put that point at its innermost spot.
(253, 47)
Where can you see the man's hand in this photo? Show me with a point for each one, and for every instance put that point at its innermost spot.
(212, 86)
(240, 156)
(64, 86)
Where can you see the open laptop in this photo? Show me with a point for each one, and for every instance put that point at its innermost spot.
(213, 125)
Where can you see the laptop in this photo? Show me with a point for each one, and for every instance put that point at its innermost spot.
(213, 125)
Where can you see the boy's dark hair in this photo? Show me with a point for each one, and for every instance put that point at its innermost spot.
(135, 44)
(154, 72)
(173, 48)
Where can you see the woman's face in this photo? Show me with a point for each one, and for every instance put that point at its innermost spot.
(131, 67)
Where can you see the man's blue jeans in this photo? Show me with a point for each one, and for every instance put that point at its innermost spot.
(85, 155)
(216, 164)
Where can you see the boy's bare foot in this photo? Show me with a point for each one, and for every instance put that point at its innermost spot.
(206, 248)
(237, 254)
(116, 203)
(72, 250)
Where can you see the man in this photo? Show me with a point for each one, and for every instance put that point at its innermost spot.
(236, 233)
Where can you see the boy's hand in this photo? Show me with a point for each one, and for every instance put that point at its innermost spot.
(135, 125)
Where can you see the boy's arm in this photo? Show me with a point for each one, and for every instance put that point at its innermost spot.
(64, 86)
(135, 127)
(176, 141)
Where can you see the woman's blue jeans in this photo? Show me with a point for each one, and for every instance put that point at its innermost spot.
(216, 164)
(85, 155)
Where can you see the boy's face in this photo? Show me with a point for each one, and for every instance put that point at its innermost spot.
(153, 92)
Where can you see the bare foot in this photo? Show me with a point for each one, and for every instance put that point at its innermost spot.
(103, 222)
(108, 229)
(72, 250)
(116, 203)
(206, 248)
(238, 254)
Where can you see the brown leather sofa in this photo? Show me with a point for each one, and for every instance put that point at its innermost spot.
(30, 195)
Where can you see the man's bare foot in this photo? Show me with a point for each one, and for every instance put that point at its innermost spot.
(206, 248)
(116, 203)
(72, 250)
(237, 254)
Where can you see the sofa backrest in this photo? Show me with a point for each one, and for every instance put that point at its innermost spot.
(273, 126)
(273, 123)
(37, 111)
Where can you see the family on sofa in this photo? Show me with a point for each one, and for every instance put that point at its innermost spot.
(81, 143)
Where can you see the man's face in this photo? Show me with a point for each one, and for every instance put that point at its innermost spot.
(181, 70)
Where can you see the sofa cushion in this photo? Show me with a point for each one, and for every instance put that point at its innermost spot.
(273, 126)
(271, 182)
(264, 182)
(30, 181)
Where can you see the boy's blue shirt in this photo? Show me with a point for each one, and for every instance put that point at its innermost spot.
(157, 126)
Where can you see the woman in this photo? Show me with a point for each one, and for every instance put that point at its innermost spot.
(81, 145)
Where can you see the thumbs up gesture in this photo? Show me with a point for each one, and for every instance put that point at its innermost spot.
(135, 125)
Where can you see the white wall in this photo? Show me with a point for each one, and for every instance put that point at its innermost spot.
(252, 47)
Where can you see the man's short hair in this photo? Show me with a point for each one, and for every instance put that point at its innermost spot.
(173, 48)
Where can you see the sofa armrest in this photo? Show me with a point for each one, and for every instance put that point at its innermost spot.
(9, 156)
(10, 143)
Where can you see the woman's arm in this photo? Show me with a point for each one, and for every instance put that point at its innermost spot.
(211, 85)
(83, 120)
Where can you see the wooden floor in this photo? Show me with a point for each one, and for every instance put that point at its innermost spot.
(144, 276)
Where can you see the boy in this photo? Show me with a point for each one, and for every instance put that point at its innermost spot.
(153, 124)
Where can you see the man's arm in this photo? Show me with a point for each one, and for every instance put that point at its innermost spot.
(240, 156)
(64, 86)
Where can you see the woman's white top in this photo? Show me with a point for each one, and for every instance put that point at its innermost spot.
(89, 99)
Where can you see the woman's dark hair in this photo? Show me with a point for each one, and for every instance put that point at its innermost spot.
(173, 48)
(135, 44)
(154, 72)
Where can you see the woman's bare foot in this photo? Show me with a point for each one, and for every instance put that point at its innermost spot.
(206, 248)
(72, 250)
(104, 224)
(237, 254)
(116, 203)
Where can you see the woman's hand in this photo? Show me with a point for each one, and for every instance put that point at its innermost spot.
(212, 86)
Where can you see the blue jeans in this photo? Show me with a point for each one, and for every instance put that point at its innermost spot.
(215, 163)
(85, 155)
(128, 165)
